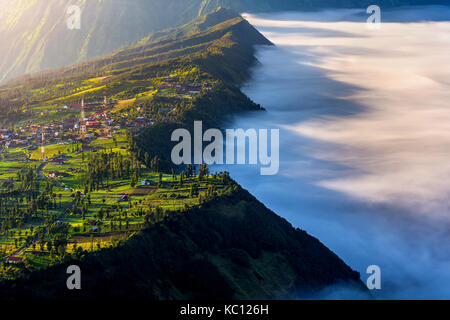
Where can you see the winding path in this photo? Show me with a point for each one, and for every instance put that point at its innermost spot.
(36, 239)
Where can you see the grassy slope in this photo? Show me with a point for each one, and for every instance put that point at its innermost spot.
(233, 247)
(140, 66)
(34, 30)
(228, 59)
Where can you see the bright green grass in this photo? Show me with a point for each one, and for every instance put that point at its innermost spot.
(129, 218)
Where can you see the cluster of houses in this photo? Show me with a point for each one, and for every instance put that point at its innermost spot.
(68, 130)
(182, 88)
(72, 129)
(9, 138)
(139, 122)
(65, 132)
(31, 136)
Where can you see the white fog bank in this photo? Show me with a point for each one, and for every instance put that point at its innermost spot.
(365, 139)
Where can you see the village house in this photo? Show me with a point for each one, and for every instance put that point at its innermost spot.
(57, 175)
(14, 260)
(68, 124)
(6, 136)
(92, 124)
(146, 182)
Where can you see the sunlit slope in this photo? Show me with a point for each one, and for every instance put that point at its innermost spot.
(34, 34)
(219, 46)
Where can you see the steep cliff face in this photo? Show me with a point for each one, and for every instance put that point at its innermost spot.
(231, 248)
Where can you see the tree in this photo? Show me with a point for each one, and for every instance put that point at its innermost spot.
(26, 262)
(146, 159)
(49, 246)
(100, 214)
(160, 181)
(62, 250)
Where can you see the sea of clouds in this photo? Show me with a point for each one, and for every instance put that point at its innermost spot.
(364, 141)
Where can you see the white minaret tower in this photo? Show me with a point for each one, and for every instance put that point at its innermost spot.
(42, 144)
(105, 105)
(82, 120)
(82, 109)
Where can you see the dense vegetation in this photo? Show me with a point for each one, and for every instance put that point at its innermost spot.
(230, 247)
(109, 199)
(94, 183)
(222, 52)
(212, 109)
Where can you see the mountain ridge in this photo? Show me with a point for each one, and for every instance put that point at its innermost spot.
(229, 245)
(37, 38)
(230, 248)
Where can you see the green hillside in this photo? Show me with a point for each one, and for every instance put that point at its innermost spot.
(34, 35)
(107, 196)
(230, 248)
(37, 37)
(220, 54)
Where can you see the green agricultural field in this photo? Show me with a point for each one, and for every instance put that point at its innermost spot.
(110, 184)
(88, 205)
(8, 170)
(51, 151)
